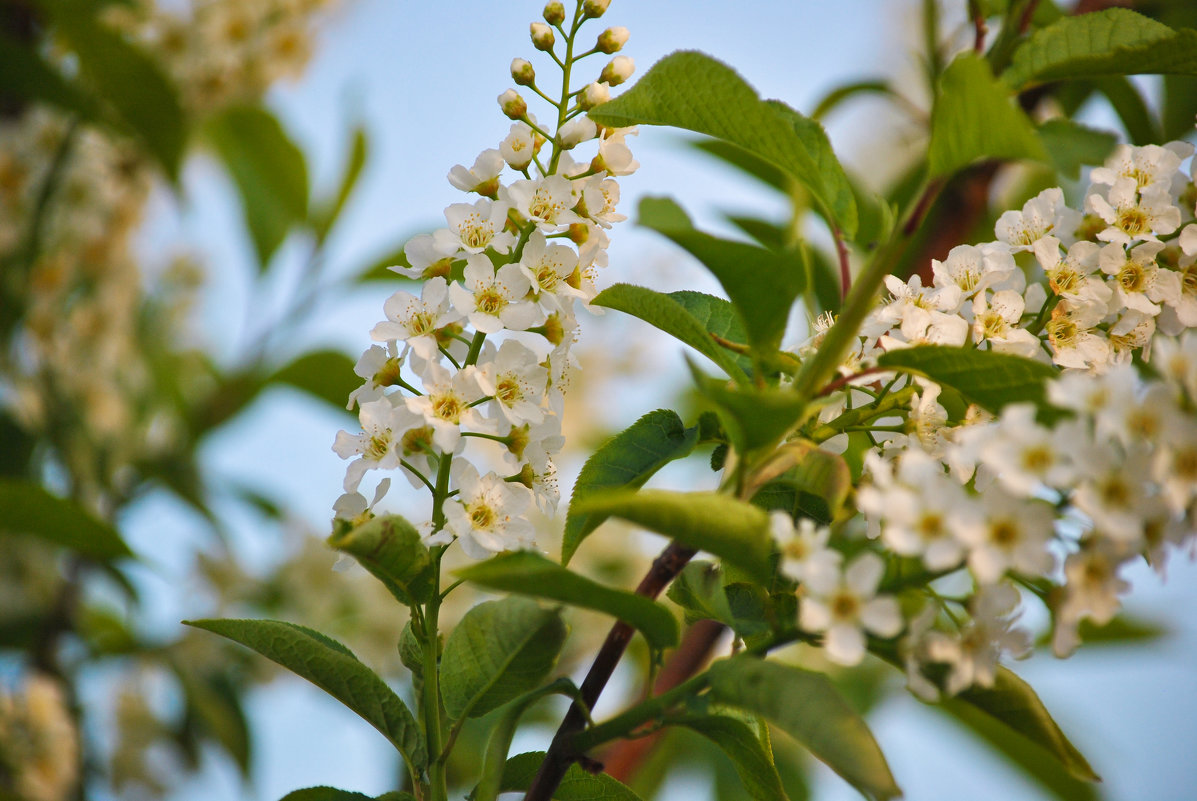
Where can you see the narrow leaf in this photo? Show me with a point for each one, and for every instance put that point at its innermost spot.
(499, 650)
(986, 378)
(753, 763)
(732, 530)
(975, 118)
(1071, 145)
(626, 460)
(1012, 702)
(693, 91)
(665, 313)
(333, 668)
(26, 508)
(753, 417)
(324, 374)
(327, 217)
(807, 706)
(529, 573)
(269, 170)
(577, 785)
(391, 549)
(1113, 41)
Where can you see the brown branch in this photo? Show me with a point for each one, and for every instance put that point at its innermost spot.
(560, 755)
(841, 252)
(625, 758)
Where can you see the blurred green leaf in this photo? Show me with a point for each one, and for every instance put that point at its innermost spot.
(975, 118)
(499, 651)
(327, 215)
(391, 549)
(847, 91)
(529, 573)
(691, 90)
(25, 75)
(333, 668)
(578, 785)
(1071, 145)
(987, 378)
(804, 467)
(325, 374)
(333, 794)
(732, 530)
(214, 702)
(28, 509)
(626, 460)
(753, 762)
(807, 706)
(1131, 108)
(269, 171)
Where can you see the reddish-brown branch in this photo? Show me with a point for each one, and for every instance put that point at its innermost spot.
(559, 757)
(841, 251)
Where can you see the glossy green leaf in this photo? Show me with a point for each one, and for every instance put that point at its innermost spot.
(497, 747)
(327, 216)
(667, 314)
(26, 508)
(333, 794)
(129, 81)
(807, 706)
(269, 170)
(333, 668)
(324, 374)
(975, 118)
(499, 650)
(1012, 702)
(986, 378)
(1113, 41)
(718, 317)
(626, 460)
(719, 524)
(762, 284)
(391, 549)
(529, 573)
(1071, 145)
(577, 785)
(753, 762)
(693, 91)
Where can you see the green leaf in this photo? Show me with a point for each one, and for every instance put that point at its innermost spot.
(761, 284)
(1071, 145)
(24, 74)
(1114, 41)
(26, 508)
(1132, 110)
(693, 91)
(269, 170)
(493, 764)
(719, 318)
(752, 417)
(807, 706)
(328, 215)
(577, 785)
(753, 762)
(746, 162)
(499, 650)
(732, 530)
(849, 90)
(529, 573)
(324, 374)
(975, 118)
(667, 314)
(391, 549)
(214, 701)
(130, 81)
(698, 589)
(626, 460)
(805, 468)
(989, 379)
(1012, 702)
(333, 668)
(333, 794)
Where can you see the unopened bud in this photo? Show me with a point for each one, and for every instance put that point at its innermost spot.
(513, 105)
(612, 40)
(542, 36)
(618, 71)
(594, 95)
(595, 8)
(579, 233)
(522, 72)
(554, 13)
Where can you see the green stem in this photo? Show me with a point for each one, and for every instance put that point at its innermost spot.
(652, 709)
(432, 696)
(857, 417)
(566, 64)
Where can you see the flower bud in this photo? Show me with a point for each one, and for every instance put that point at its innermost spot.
(522, 72)
(513, 105)
(595, 8)
(618, 71)
(612, 40)
(594, 95)
(554, 13)
(542, 36)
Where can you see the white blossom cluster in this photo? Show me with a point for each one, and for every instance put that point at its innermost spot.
(1054, 506)
(464, 392)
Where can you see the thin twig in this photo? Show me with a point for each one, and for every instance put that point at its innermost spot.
(841, 251)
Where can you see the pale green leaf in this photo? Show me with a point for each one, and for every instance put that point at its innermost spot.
(529, 573)
(333, 668)
(975, 118)
(391, 549)
(719, 524)
(626, 460)
(324, 374)
(807, 706)
(498, 651)
(1071, 145)
(327, 216)
(693, 91)
(26, 508)
(718, 317)
(753, 763)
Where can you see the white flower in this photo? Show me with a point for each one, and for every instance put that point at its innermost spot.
(495, 300)
(594, 94)
(475, 227)
(614, 155)
(1138, 282)
(845, 606)
(427, 257)
(483, 177)
(973, 656)
(805, 557)
(1043, 215)
(1112, 493)
(996, 319)
(1148, 166)
(1091, 590)
(1176, 359)
(1075, 340)
(383, 424)
(416, 321)
(380, 367)
(599, 197)
(1009, 534)
(578, 130)
(550, 269)
(352, 506)
(1025, 456)
(1071, 276)
(1132, 217)
(515, 382)
(446, 404)
(546, 201)
(487, 514)
(519, 146)
(974, 268)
